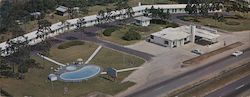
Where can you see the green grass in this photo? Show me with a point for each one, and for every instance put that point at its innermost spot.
(117, 35)
(244, 22)
(37, 85)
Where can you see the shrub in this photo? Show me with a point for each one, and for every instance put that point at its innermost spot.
(23, 68)
(190, 19)
(131, 35)
(109, 31)
(139, 29)
(158, 21)
(232, 23)
(70, 44)
(173, 25)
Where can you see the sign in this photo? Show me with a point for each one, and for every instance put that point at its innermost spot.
(112, 72)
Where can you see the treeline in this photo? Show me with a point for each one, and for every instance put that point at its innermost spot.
(13, 10)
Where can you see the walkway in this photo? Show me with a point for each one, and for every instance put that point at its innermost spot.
(124, 70)
(51, 60)
(93, 55)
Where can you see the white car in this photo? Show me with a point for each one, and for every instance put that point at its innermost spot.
(237, 53)
(197, 51)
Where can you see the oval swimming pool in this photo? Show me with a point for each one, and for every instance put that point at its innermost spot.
(84, 73)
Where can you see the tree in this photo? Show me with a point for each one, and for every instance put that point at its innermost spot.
(189, 9)
(108, 15)
(132, 35)
(43, 29)
(80, 23)
(121, 4)
(100, 16)
(129, 12)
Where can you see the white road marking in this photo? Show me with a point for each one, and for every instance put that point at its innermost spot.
(240, 87)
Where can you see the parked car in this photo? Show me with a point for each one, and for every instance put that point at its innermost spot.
(197, 51)
(237, 53)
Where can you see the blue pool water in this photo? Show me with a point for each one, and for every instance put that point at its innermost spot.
(84, 73)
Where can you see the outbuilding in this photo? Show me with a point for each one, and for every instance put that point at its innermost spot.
(52, 77)
(35, 15)
(142, 21)
(62, 10)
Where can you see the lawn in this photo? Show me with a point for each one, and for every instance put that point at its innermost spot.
(242, 22)
(36, 84)
(117, 35)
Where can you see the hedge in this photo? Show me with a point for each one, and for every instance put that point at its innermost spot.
(131, 35)
(70, 44)
(232, 23)
(109, 31)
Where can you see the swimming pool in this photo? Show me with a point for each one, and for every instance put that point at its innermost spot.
(84, 73)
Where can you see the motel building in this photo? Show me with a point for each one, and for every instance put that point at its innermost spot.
(92, 20)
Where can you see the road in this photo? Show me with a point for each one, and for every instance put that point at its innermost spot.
(233, 89)
(168, 85)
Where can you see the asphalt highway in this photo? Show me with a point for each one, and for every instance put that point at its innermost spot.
(233, 89)
(168, 85)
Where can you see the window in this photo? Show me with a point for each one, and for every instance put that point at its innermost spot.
(166, 42)
(151, 36)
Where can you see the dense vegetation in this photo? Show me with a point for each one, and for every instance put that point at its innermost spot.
(70, 44)
(108, 32)
(131, 35)
(14, 13)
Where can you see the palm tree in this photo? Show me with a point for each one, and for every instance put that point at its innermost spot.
(100, 16)
(129, 12)
(108, 16)
(80, 23)
(43, 29)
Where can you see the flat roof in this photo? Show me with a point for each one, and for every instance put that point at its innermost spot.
(172, 33)
(62, 8)
(143, 18)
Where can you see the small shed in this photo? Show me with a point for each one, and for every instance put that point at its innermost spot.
(35, 15)
(62, 10)
(77, 9)
(142, 21)
(52, 77)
